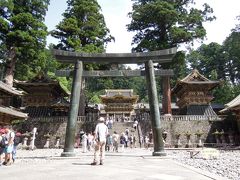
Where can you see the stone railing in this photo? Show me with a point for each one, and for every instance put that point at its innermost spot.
(60, 119)
(189, 118)
(56, 119)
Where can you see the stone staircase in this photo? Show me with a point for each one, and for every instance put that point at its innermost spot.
(120, 128)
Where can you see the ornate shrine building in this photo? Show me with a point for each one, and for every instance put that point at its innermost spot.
(193, 94)
(119, 103)
(44, 97)
(234, 107)
(9, 98)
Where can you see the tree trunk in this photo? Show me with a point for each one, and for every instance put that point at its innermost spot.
(10, 67)
(82, 103)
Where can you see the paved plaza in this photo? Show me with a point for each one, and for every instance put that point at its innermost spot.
(133, 164)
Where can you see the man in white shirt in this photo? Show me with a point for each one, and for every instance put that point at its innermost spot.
(100, 134)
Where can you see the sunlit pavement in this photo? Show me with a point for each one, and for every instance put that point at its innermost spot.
(132, 164)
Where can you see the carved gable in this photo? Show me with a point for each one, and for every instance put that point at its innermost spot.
(117, 100)
(194, 76)
(194, 89)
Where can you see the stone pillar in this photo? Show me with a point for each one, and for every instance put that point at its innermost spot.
(154, 110)
(24, 144)
(57, 145)
(74, 105)
(166, 101)
(47, 143)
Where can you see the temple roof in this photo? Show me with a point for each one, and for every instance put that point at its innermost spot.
(119, 95)
(9, 90)
(205, 110)
(193, 79)
(195, 76)
(39, 111)
(232, 104)
(41, 80)
(123, 92)
(9, 114)
(60, 102)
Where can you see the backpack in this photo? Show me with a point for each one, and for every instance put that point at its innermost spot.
(122, 140)
(3, 142)
(17, 140)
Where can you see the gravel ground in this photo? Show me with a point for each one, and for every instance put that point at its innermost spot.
(226, 165)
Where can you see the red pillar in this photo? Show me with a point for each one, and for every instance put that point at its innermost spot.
(166, 100)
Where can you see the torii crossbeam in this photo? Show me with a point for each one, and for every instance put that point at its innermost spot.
(148, 58)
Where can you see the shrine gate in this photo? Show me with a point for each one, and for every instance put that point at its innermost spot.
(148, 58)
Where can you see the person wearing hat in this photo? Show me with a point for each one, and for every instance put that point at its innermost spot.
(17, 141)
(10, 135)
(2, 143)
(101, 132)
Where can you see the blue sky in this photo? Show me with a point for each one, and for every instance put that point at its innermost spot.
(115, 14)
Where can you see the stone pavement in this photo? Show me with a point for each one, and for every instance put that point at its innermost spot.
(133, 164)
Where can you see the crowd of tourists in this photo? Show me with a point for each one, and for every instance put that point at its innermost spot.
(8, 145)
(103, 141)
(100, 140)
(115, 142)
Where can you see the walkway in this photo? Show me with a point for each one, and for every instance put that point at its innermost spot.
(133, 164)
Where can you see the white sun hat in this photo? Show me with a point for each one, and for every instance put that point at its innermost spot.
(101, 119)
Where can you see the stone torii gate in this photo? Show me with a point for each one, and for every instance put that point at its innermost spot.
(148, 58)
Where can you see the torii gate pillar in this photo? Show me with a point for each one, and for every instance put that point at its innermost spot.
(154, 110)
(72, 116)
(148, 58)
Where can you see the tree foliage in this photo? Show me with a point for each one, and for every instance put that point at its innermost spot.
(83, 28)
(208, 58)
(22, 34)
(220, 62)
(161, 24)
(98, 85)
(231, 47)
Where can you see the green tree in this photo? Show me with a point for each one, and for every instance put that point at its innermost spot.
(231, 47)
(209, 58)
(225, 93)
(161, 24)
(83, 28)
(22, 34)
(224, 59)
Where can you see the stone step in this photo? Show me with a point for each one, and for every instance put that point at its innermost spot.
(120, 127)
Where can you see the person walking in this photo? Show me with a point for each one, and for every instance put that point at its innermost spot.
(17, 141)
(84, 143)
(122, 141)
(2, 144)
(115, 137)
(109, 143)
(90, 141)
(9, 147)
(101, 132)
